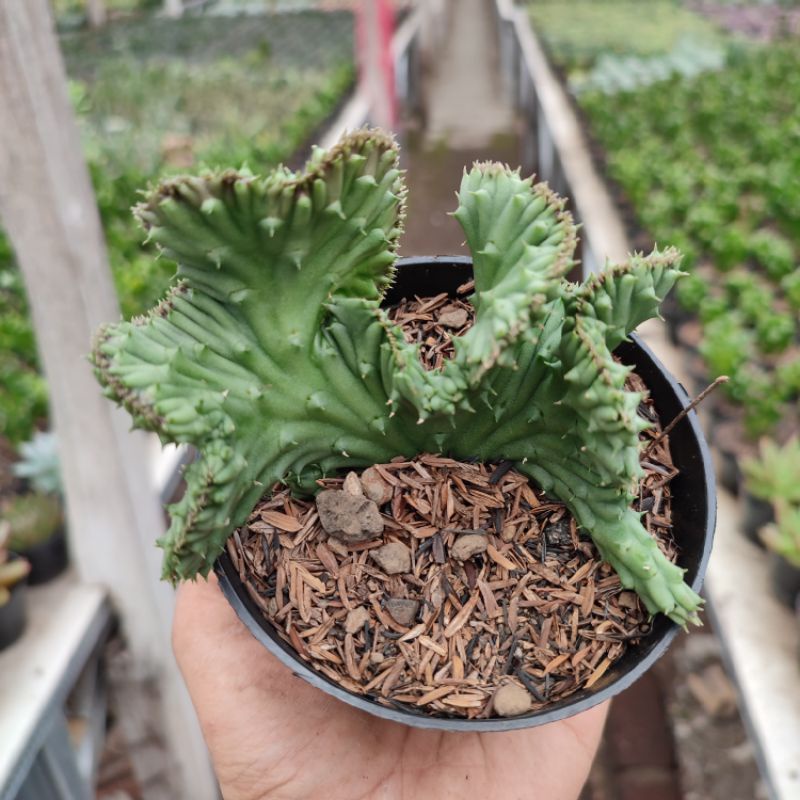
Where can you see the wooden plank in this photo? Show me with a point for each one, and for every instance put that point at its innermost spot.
(65, 622)
(48, 210)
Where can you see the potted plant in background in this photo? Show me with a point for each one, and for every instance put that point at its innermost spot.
(782, 538)
(774, 480)
(771, 479)
(283, 354)
(35, 518)
(13, 572)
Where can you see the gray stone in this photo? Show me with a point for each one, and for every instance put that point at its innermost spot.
(453, 317)
(356, 619)
(403, 611)
(392, 558)
(375, 487)
(468, 545)
(352, 485)
(351, 518)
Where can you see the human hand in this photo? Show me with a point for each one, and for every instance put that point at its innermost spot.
(274, 737)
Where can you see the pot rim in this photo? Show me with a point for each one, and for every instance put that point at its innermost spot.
(251, 616)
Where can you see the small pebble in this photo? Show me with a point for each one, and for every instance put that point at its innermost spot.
(511, 700)
(452, 317)
(403, 611)
(375, 487)
(352, 485)
(392, 558)
(356, 619)
(468, 545)
(508, 533)
(351, 518)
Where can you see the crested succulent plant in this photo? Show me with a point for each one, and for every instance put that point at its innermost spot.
(273, 356)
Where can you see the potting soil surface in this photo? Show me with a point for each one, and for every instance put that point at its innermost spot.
(494, 584)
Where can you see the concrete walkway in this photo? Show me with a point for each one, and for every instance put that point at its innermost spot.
(467, 102)
(469, 117)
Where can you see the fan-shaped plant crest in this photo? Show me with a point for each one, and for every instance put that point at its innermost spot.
(272, 356)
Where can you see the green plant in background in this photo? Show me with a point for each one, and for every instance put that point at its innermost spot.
(787, 379)
(31, 518)
(153, 97)
(147, 113)
(774, 331)
(774, 475)
(762, 405)
(729, 247)
(712, 308)
(23, 393)
(774, 253)
(579, 32)
(272, 354)
(12, 570)
(727, 141)
(692, 292)
(791, 288)
(39, 464)
(783, 536)
(727, 345)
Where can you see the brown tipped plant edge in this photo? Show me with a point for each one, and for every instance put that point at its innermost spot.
(693, 515)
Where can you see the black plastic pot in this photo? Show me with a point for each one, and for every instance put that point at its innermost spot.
(674, 316)
(755, 514)
(48, 558)
(13, 615)
(693, 512)
(785, 578)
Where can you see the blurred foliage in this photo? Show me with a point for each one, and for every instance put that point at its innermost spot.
(774, 476)
(613, 73)
(154, 97)
(32, 518)
(712, 166)
(578, 32)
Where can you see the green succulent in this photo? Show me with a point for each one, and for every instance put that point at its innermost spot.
(787, 379)
(32, 518)
(774, 252)
(783, 536)
(775, 331)
(692, 292)
(273, 356)
(726, 345)
(763, 407)
(39, 463)
(791, 287)
(774, 475)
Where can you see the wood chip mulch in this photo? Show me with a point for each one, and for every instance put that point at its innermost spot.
(537, 608)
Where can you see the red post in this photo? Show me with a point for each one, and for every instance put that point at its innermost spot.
(374, 32)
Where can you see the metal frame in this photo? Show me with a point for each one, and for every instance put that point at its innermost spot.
(48, 765)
